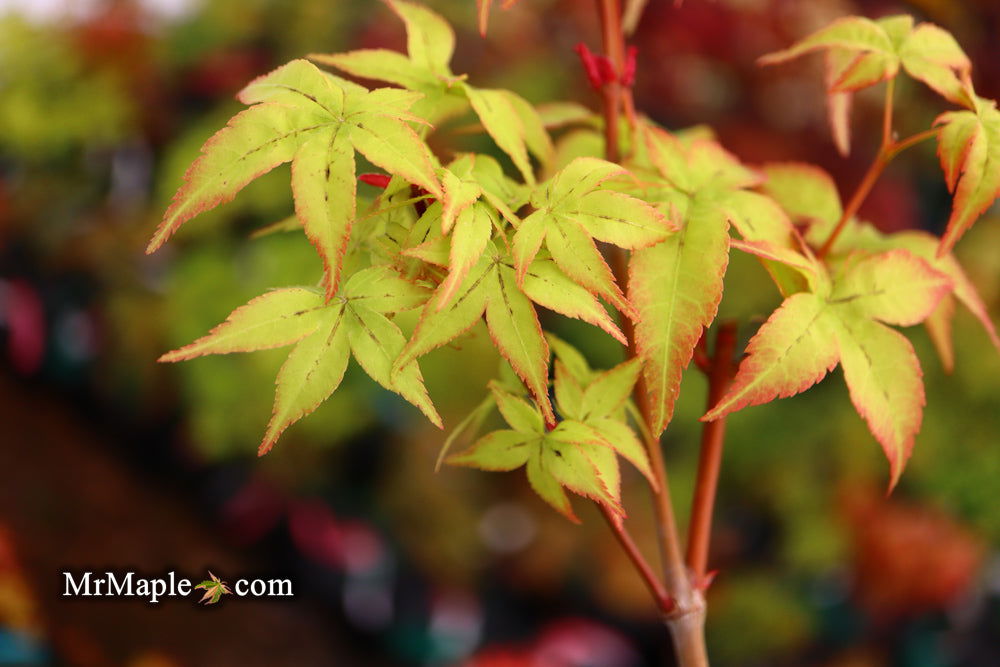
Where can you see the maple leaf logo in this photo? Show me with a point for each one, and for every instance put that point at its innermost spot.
(215, 588)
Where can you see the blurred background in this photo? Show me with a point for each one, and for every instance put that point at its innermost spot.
(108, 460)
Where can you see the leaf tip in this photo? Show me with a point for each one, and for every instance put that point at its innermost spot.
(170, 357)
(434, 418)
(895, 476)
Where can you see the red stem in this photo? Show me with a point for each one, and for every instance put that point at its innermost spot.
(656, 589)
(712, 436)
(854, 205)
(614, 49)
(889, 149)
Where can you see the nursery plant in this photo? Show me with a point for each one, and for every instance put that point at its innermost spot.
(634, 240)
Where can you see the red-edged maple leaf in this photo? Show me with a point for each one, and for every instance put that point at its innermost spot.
(969, 147)
(861, 52)
(676, 285)
(489, 288)
(846, 323)
(326, 335)
(809, 196)
(572, 210)
(513, 124)
(316, 121)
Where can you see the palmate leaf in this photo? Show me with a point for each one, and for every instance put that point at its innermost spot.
(325, 334)
(491, 289)
(806, 338)
(676, 285)
(573, 455)
(861, 53)
(866, 52)
(810, 197)
(676, 288)
(969, 147)
(573, 211)
(598, 399)
(513, 124)
(470, 215)
(316, 121)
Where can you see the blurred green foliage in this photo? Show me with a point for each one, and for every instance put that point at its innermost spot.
(51, 103)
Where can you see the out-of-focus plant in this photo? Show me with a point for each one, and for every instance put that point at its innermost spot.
(50, 103)
(463, 241)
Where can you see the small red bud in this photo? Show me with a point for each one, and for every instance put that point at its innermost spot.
(590, 66)
(376, 180)
(607, 70)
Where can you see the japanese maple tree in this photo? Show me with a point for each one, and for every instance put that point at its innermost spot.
(634, 241)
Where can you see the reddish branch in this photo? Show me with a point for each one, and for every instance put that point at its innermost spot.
(656, 589)
(889, 149)
(720, 372)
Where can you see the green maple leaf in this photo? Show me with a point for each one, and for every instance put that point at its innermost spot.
(845, 322)
(489, 288)
(316, 121)
(477, 196)
(513, 124)
(599, 401)
(325, 335)
(572, 210)
(571, 456)
(215, 588)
